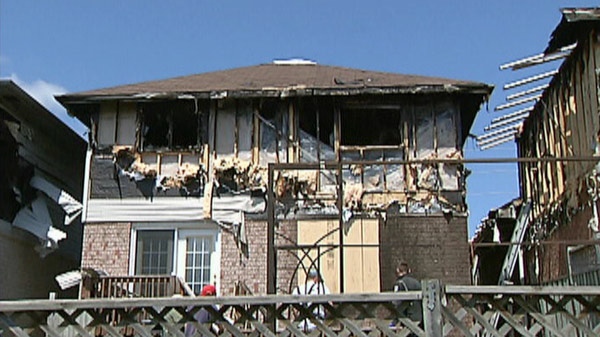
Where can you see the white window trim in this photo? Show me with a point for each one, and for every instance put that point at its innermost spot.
(181, 230)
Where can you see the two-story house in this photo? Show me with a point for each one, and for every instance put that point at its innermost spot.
(177, 176)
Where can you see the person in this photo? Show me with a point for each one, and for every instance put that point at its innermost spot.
(314, 285)
(406, 282)
(202, 316)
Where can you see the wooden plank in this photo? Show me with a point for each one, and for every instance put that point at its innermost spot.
(587, 137)
(590, 89)
(558, 140)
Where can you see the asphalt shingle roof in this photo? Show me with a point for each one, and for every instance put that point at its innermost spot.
(314, 78)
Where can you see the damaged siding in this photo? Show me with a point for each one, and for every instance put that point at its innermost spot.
(40, 185)
(564, 123)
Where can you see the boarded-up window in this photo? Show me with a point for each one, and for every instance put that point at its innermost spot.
(361, 270)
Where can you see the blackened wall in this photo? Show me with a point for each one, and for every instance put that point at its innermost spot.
(435, 247)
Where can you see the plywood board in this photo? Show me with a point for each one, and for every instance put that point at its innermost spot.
(361, 272)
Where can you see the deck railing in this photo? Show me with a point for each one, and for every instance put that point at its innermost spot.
(147, 286)
(447, 311)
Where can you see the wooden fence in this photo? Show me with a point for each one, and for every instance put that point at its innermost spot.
(447, 311)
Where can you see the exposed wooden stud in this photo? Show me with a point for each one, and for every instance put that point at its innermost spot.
(507, 133)
(506, 122)
(527, 92)
(498, 142)
(256, 129)
(513, 114)
(236, 130)
(533, 98)
(538, 58)
(530, 79)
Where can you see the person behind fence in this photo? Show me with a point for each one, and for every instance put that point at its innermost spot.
(314, 285)
(406, 282)
(202, 316)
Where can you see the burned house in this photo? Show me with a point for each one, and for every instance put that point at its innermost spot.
(41, 180)
(557, 124)
(253, 175)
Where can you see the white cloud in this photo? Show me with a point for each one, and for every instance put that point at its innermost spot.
(44, 93)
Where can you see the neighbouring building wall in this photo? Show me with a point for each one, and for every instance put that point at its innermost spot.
(434, 246)
(563, 124)
(106, 247)
(26, 275)
(553, 254)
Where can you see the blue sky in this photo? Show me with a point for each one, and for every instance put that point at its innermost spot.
(60, 46)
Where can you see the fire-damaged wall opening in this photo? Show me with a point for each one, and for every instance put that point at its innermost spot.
(317, 121)
(176, 125)
(370, 127)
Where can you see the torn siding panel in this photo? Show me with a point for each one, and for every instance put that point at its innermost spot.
(394, 174)
(225, 209)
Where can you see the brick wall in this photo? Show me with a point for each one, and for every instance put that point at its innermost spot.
(252, 270)
(553, 256)
(434, 246)
(106, 247)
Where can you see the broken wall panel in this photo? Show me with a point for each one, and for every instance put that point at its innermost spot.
(126, 123)
(373, 174)
(107, 123)
(394, 174)
(447, 146)
(273, 133)
(424, 131)
(225, 131)
(245, 127)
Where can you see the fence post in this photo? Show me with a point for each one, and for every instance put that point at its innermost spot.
(432, 310)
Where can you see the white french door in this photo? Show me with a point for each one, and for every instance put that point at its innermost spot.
(198, 258)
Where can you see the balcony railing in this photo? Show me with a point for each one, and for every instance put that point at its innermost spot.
(447, 311)
(149, 286)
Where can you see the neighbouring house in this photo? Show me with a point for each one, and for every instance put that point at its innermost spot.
(562, 130)
(41, 181)
(179, 173)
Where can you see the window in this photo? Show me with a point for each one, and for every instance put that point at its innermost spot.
(154, 252)
(176, 125)
(198, 257)
(189, 250)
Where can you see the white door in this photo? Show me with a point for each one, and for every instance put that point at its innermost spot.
(198, 258)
